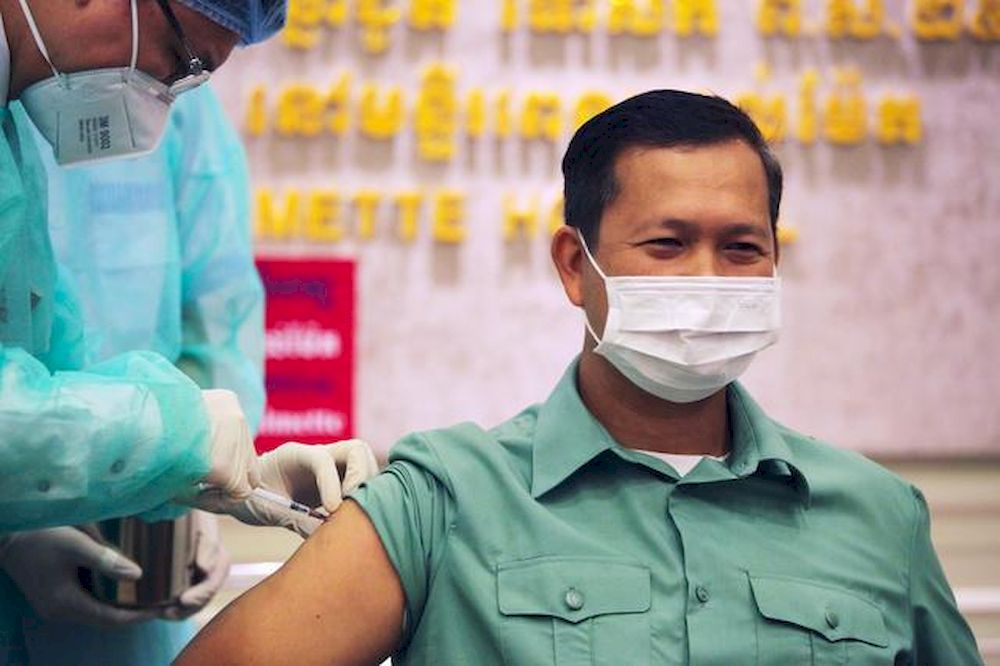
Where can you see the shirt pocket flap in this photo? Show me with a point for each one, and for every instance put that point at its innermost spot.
(835, 614)
(571, 588)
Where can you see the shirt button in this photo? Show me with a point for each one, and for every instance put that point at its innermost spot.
(832, 620)
(701, 593)
(43, 486)
(573, 599)
(117, 466)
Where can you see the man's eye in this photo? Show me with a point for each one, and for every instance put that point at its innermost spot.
(744, 251)
(745, 248)
(665, 242)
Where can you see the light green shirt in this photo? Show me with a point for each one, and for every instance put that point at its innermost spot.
(543, 541)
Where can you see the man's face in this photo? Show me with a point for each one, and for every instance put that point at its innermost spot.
(691, 211)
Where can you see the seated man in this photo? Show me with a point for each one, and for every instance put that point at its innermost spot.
(649, 512)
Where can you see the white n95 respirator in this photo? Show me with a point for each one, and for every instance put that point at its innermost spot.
(684, 338)
(98, 114)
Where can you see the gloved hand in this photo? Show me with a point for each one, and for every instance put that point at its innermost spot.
(305, 473)
(211, 564)
(44, 565)
(234, 470)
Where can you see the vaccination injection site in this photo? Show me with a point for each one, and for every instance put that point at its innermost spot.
(499, 332)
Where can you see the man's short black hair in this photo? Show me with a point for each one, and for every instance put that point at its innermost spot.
(657, 119)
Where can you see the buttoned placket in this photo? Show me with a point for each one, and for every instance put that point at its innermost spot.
(705, 608)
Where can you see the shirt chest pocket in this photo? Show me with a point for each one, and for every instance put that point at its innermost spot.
(801, 622)
(574, 611)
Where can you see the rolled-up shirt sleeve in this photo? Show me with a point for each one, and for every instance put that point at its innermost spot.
(412, 507)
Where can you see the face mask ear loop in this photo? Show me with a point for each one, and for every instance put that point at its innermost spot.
(135, 38)
(29, 17)
(590, 257)
(590, 329)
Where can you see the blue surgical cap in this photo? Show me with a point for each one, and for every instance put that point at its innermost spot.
(253, 20)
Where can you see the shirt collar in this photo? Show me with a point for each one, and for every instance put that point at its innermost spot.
(567, 437)
(758, 445)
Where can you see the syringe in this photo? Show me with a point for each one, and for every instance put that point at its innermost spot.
(275, 498)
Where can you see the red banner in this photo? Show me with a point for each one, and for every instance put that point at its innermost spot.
(309, 366)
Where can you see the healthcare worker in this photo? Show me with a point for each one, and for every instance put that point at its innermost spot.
(128, 434)
(158, 249)
(131, 433)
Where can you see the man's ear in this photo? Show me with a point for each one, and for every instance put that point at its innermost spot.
(567, 255)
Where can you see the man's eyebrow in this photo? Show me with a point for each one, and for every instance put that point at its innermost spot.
(677, 224)
(735, 229)
(747, 229)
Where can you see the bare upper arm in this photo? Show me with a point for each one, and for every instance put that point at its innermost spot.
(338, 600)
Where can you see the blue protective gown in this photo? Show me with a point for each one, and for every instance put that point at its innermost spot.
(158, 249)
(123, 436)
(62, 434)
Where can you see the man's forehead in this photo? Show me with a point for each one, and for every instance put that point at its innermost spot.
(721, 155)
(723, 168)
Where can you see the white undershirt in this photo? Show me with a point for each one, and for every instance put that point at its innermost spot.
(4, 64)
(682, 462)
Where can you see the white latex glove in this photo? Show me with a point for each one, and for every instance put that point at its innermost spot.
(211, 564)
(234, 470)
(307, 473)
(45, 563)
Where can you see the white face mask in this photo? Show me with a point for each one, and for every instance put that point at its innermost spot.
(684, 338)
(98, 114)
